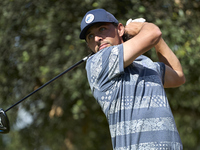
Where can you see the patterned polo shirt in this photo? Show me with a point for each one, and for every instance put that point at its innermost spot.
(133, 100)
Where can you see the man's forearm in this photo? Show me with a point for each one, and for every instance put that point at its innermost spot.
(174, 76)
(166, 55)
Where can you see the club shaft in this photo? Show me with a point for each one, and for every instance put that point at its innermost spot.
(72, 67)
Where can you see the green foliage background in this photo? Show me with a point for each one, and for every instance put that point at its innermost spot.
(40, 38)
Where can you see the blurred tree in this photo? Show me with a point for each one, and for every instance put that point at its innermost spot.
(40, 39)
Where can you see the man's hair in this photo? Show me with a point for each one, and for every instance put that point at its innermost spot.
(126, 36)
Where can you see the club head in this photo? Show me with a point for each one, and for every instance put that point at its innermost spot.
(4, 122)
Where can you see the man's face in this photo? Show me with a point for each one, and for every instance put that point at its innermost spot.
(102, 35)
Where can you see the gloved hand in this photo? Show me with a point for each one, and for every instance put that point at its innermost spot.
(135, 20)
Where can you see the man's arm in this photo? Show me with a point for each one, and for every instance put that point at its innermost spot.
(147, 35)
(174, 75)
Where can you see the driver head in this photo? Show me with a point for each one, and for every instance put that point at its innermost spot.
(4, 122)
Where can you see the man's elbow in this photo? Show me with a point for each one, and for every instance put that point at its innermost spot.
(176, 81)
(180, 81)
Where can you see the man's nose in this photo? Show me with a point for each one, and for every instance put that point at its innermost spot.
(98, 38)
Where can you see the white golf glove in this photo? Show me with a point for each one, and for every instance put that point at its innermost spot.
(135, 20)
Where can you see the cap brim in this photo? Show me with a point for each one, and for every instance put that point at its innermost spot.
(84, 31)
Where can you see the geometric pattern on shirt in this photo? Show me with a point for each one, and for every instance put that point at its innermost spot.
(95, 74)
(153, 146)
(154, 101)
(142, 125)
(112, 59)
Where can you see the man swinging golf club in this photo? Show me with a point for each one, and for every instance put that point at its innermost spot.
(128, 85)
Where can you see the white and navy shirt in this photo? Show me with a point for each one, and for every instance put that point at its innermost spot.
(133, 100)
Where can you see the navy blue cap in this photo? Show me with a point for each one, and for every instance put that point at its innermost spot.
(95, 16)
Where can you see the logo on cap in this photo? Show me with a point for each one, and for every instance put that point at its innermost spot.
(89, 18)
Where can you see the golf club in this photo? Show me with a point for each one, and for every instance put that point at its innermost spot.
(4, 121)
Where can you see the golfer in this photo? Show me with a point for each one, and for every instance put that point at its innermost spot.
(128, 85)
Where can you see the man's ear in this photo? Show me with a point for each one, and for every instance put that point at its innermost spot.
(121, 29)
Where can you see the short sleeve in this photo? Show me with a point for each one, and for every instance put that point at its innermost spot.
(161, 70)
(105, 65)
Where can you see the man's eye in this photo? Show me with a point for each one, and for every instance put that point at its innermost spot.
(102, 29)
(90, 36)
